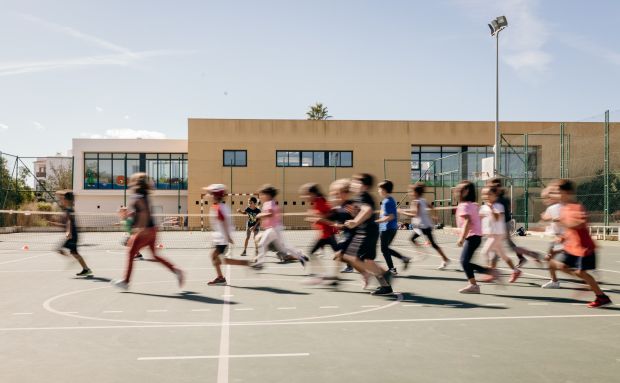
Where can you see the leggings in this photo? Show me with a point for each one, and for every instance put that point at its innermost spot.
(387, 237)
(143, 239)
(322, 242)
(428, 232)
(469, 248)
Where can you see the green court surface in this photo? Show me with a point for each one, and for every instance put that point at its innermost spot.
(274, 326)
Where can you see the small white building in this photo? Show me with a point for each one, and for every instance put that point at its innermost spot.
(103, 166)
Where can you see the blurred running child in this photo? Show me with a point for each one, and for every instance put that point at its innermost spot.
(319, 208)
(388, 226)
(221, 224)
(551, 198)
(271, 221)
(494, 229)
(126, 223)
(67, 201)
(468, 220)
(579, 254)
(252, 226)
(362, 250)
(144, 231)
(421, 220)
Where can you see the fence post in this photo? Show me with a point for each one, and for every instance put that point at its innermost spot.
(562, 156)
(606, 175)
(526, 184)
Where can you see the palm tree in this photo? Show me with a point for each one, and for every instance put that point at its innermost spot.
(318, 112)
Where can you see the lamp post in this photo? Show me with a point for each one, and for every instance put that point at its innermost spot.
(497, 25)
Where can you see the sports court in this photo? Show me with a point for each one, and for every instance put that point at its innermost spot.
(271, 325)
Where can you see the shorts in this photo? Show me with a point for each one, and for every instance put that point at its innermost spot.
(221, 248)
(71, 245)
(253, 228)
(587, 262)
(364, 245)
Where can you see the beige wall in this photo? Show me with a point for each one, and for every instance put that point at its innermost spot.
(372, 142)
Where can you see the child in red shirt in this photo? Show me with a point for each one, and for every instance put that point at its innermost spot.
(579, 248)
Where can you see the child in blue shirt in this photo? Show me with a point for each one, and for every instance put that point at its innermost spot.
(388, 226)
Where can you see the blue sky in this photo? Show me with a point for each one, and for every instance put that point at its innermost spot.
(120, 68)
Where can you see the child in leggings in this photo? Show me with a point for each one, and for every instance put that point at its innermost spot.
(422, 221)
(468, 220)
(388, 226)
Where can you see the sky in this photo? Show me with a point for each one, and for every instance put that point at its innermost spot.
(141, 68)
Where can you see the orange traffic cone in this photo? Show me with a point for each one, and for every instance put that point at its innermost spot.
(25, 247)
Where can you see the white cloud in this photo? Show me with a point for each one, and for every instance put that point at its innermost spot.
(523, 43)
(127, 134)
(38, 125)
(4, 127)
(126, 117)
(99, 109)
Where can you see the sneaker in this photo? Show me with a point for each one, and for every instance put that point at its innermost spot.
(257, 266)
(492, 276)
(139, 257)
(470, 289)
(383, 290)
(303, 260)
(406, 262)
(443, 265)
(522, 261)
(244, 253)
(393, 271)
(347, 269)
(85, 273)
(551, 285)
(121, 284)
(516, 273)
(180, 276)
(600, 301)
(219, 281)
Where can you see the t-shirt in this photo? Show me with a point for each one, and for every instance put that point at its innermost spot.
(252, 213)
(388, 206)
(469, 209)
(553, 211)
(577, 240)
(422, 220)
(507, 208)
(70, 219)
(219, 217)
(369, 225)
(343, 213)
(275, 219)
(139, 207)
(323, 209)
(490, 225)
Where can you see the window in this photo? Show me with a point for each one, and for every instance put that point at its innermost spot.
(235, 158)
(112, 170)
(314, 159)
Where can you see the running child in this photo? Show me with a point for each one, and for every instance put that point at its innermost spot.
(252, 226)
(271, 221)
(422, 221)
(388, 226)
(319, 208)
(126, 223)
(144, 231)
(222, 226)
(494, 229)
(67, 201)
(468, 221)
(551, 198)
(362, 250)
(579, 253)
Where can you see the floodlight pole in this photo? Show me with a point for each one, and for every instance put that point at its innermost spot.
(496, 164)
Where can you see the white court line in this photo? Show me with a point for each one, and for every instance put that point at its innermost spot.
(286, 308)
(369, 321)
(369, 306)
(495, 304)
(245, 309)
(156, 311)
(222, 365)
(111, 311)
(416, 305)
(221, 356)
(70, 312)
(23, 259)
(22, 314)
(328, 307)
(201, 310)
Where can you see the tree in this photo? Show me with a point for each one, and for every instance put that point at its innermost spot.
(318, 112)
(60, 178)
(14, 191)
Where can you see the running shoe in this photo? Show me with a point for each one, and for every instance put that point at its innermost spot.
(443, 265)
(406, 262)
(522, 261)
(85, 273)
(180, 276)
(551, 285)
(139, 257)
(219, 281)
(303, 260)
(600, 301)
(516, 273)
(383, 290)
(121, 284)
(257, 266)
(347, 269)
(244, 253)
(393, 271)
(470, 289)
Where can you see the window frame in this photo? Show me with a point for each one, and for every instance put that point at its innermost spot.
(234, 153)
(324, 154)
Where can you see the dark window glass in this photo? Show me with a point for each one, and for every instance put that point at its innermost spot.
(346, 159)
(307, 159)
(318, 159)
